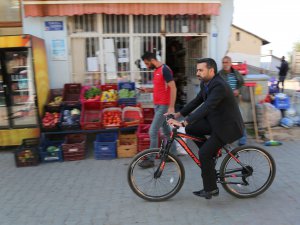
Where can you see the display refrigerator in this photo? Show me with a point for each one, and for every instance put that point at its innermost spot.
(24, 87)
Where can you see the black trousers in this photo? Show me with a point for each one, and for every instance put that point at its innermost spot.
(207, 150)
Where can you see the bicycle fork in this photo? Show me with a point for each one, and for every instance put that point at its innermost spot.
(163, 153)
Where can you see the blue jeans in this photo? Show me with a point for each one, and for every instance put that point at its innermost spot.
(159, 121)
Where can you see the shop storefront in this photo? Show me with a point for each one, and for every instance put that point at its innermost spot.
(102, 41)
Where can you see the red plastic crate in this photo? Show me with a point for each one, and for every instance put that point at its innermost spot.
(143, 129)
(132, 116)
(105, 112)
(71, 93)
(91, 116)
(112, 103)
(143, 137)
(84, 89)
(148, 114)
(74, 147)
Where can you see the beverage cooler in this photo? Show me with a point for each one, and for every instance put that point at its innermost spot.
(24, 87)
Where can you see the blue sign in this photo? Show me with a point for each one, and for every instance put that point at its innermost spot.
(54, 25)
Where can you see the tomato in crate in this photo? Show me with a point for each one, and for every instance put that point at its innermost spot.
(50, 121)
(112, 117)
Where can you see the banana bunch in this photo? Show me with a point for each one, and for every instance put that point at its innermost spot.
(109, 96)
(57, 100)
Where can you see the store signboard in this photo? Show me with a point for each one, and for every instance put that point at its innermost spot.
(54, 25)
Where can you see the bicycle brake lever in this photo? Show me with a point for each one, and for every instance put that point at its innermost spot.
(170, 116)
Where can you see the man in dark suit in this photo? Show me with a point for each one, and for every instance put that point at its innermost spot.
(213, 112)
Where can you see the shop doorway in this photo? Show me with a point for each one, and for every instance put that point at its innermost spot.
(181, 55)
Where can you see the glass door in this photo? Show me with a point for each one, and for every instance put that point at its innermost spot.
(22, 110)
(4, 122)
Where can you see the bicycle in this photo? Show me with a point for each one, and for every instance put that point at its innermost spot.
(245, 171)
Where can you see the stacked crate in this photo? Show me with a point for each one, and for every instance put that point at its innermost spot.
(109, 95)
(128, 89)
(74, 147)
(148, 114)
(27, 153)
(50, 148)
(132, 116)
(127, 145)
(105, 145)
(143, 137)
(91, 116)
(71, 94)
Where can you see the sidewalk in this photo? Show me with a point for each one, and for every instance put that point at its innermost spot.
(95, 192)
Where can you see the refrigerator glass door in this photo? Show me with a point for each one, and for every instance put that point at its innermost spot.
(23, 110)
(4, 122)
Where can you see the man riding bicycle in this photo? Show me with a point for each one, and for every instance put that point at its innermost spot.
(218, 116)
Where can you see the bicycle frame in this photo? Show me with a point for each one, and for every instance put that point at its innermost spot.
(178, 136)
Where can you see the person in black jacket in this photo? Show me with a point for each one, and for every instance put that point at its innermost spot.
(283, 69)
(214, 112)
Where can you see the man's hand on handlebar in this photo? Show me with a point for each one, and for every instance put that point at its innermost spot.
(175, 115)
(174, 122)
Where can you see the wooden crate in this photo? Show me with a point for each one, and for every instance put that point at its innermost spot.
(127, 145)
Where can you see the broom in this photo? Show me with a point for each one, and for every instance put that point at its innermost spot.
(271, 142)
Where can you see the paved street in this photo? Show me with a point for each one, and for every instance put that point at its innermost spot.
(96, 192)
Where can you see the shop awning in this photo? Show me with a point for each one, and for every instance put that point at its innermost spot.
(41, 8)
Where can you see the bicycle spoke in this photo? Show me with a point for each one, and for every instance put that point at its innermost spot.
(144, 184)
(253, 177)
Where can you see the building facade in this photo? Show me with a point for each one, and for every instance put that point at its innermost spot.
(245, 46)
(10, 17)
(100, 41)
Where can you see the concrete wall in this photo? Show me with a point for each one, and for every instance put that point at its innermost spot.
(59, 72)
(220, 32)
(246, 49)
(253, 60)
(270, 63)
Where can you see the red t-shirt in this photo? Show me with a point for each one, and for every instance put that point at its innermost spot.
(161, 91)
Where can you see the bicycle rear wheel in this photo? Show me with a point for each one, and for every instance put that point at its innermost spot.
(252, 176)
(143, 182)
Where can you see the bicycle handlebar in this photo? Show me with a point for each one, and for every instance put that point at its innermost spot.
(170, 116)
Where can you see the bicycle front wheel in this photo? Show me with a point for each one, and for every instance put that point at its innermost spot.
(252, 176)
(144, 183)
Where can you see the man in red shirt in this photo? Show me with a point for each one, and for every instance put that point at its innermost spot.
(164, 97)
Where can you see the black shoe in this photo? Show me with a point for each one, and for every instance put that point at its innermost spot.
(146, 164)
(207, 194)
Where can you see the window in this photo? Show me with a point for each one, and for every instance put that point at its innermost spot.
(84, 23)
(237, 36)
(116, 58)
(10, 14)
(147, 24)
(186, 24)
(113, 24)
